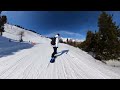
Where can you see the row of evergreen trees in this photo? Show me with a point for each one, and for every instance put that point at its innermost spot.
(105, 44)
(71, 42)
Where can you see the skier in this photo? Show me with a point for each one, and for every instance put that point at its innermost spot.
(55, 46)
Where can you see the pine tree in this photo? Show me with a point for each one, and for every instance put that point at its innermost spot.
(0, 23)
(108, 40)
(118, 33)
(3, 20)
(89, 41)
(61, 41)
(67, 40)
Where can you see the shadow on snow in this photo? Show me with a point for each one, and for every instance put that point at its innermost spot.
(62, 52)
(59, 54)
(9, 48)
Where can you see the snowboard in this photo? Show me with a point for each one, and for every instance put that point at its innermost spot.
(52, 60)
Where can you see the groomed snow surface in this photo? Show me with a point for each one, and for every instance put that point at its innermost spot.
(33, 63)
(27, 61)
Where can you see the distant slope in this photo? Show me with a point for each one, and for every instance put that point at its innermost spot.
(12, 32)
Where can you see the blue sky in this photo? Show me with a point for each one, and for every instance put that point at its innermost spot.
(73, 24)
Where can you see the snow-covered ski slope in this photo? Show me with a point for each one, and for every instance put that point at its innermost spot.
(71, 63)
(34, 63)
(9, 48)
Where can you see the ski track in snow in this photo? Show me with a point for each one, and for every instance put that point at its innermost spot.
(33, 63)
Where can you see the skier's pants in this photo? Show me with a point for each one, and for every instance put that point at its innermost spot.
(55, 52)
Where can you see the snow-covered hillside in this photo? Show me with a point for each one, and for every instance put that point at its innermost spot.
(25, 61)
(12, 32)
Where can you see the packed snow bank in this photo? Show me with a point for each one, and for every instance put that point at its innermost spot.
(8, 48)
(114, 63)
